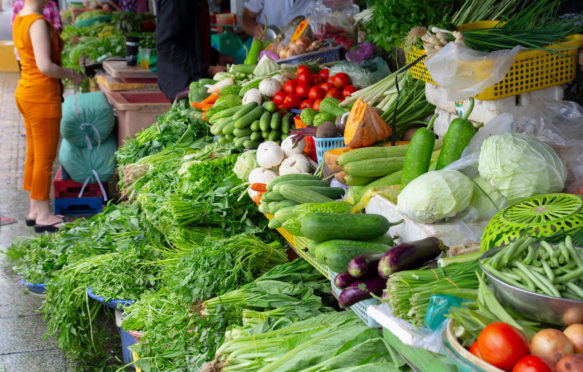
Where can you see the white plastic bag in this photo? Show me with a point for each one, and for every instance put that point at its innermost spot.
(464, 72)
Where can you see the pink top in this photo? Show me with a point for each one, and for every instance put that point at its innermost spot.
(50, 12)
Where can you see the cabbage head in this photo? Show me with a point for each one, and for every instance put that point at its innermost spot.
(519, 166)
(246, 162)
(435, 195)
(486, 201)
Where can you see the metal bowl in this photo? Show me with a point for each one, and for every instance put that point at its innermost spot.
(536, 306)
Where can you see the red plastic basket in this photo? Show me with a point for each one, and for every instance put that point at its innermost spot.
(64, 188)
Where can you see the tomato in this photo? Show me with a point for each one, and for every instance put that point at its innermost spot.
(305, 104)
(502, 345)
(340, 80)
(326, 86)
(290, 86)
(304, 77)
(316, 104)
(531, 363)
(348, 90)
(324, 73)
(291, 101)
(303, 68)
(302, 90)
(316, 80)
(330, 80)
(316, 93)
(278, 98)
(474, 350)
(334, 92)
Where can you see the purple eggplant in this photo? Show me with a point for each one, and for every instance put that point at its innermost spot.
(364, 265)
(343, 280)
(409, 255)
(361, 290)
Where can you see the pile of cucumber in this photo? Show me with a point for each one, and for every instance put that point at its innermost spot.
(250, 124)
(292, 189)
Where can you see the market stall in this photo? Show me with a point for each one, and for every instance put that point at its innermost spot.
(314, 214)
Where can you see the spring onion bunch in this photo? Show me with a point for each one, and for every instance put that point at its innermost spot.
(483, 10)
(408, 292)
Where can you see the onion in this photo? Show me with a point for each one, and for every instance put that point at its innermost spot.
(551, 345)
(570, 363)
(574, 333)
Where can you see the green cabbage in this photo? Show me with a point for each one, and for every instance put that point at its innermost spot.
(435, 195)
(246, 162)
(519, 166)
(486, 201)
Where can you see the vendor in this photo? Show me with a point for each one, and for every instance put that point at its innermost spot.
(278, 13)
(183, 45)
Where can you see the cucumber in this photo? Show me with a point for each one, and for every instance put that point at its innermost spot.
(264, 121)
(274, 223)
(250, 144)
(418, 155)
(272, 196)
(269, 106)
(285, 213)
(374, 167)
(312, 182)
(244, 110)
(284, 204)
(229, 128)
(229, 137)
(274, 135)
(336, 254)
(388, 180)
(291, 177)
(255, 126)
(255, 136)
(302, 195)
(246, 132)
(285, 123)
(312, 246)
(239, 141)
(226, 113)
(261, 207)
(358, 181)
(217, 128)
(265, 134)
(250, 117)
(328, 226)
(223, 140)
(331, 192)
(275, 121)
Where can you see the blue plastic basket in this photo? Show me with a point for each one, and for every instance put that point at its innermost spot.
(127, 340)
(325, 144)
(359, 308)
(113, 304)
(78, 206)
(40, 288)
(322, 56)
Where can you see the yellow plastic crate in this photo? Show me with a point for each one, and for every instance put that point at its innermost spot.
(287, 236)
(532, 70)
(302, 251)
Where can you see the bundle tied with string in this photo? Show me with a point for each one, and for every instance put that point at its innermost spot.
(86, 165)
(87, 119)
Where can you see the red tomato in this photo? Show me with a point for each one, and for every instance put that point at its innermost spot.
(291, 101)
(531, 363)
(305, 104)
(326, 86)
(278, 98)
(340, 80)
(304, 77)
(290, 86)
(324, 73)
(316, 104)
(474, 350)
(316, 93)
(302, 90)
(502, 345)
(330, 80)
(348, 90)
(303, 68)
(316, 80)
(334, 92)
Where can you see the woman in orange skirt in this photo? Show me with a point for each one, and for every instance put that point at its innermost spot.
(38, 97)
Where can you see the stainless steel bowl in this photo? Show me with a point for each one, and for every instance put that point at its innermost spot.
(536, 306)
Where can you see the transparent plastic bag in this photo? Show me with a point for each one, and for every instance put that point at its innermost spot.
(464, 72)
(365, 74)
(332, 21)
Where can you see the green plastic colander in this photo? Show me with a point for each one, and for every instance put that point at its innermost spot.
(548, 215)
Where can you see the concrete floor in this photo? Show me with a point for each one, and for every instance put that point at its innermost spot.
(22, 348)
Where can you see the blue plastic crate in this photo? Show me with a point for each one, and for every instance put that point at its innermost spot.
(71, 206)
(127, 340)
(325, 144)
(322, 56)
(359, 308)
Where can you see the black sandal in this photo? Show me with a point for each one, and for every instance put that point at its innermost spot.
(48, 228)
(30, 222)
